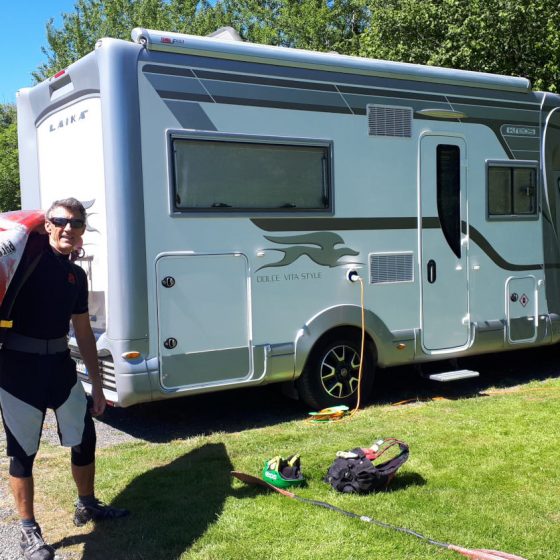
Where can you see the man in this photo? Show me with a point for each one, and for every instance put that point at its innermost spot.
(36, 371)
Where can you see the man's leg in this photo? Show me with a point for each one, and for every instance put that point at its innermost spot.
(23, 491)
(84, 477)
(23, 390)
(32, 544)
(76, 424)
(88, 507)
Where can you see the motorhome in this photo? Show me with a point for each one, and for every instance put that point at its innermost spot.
(241, 197)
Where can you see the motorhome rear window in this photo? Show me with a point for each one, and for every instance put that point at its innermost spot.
(512, 191)
(240, 175)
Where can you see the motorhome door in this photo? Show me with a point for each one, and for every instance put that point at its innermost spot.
(443, 243)
(203, 320)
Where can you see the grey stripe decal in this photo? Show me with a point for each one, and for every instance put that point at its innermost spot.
(376, 91)
(344, 224)
(258, 80)
(485, 245)
(190, 115)
(355, 97)
(179, 96)
(425, 96)
(356, 109)
(167, 70)
(333, 76)
(354, 224)
(337, 224)
(282, 105)
(51, 108)
(347, 107)
(241, 89)
(275, 104)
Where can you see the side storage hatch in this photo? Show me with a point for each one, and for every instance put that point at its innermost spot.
(522, 305)
(203, 320)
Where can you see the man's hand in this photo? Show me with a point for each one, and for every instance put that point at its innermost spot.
(88, 351)
(99, 402)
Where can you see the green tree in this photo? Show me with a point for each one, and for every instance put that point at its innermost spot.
(309, 24)
(93, 19)
(306, 24)
(9, 170)
(512, 37)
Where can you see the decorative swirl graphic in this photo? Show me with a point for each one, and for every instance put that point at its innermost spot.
(321, 252)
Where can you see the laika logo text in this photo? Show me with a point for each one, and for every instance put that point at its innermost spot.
(320, 247)
(67, 121)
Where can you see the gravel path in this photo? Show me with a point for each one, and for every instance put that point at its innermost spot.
(9, 525)
(9, 530)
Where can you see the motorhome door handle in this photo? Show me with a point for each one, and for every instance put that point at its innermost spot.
(170, 343)
(431, 271)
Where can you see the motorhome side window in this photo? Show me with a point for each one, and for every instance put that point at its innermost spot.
(239, 175)
(512, 191)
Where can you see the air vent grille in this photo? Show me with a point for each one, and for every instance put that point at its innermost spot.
(391, 267)
(106, 369)
(389, 121)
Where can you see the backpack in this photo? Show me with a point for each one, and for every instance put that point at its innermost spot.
(354, 471)
(21, 248)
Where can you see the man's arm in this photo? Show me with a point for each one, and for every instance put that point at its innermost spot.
(88, 350)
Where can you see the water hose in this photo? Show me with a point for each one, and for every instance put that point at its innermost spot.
(473, 554)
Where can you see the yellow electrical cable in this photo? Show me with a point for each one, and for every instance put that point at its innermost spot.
(326, 415)
(362, 348)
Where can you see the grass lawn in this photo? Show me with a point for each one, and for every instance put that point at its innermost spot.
(483, 473)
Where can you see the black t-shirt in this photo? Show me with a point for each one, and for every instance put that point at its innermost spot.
(55, 290)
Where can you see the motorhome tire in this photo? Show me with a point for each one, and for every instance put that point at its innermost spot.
(330, 376)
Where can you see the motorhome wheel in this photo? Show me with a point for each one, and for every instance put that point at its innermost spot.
(330, 376)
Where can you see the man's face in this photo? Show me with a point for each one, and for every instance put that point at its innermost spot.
(62, 236)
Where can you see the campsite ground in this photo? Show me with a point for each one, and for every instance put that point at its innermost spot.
(161, 425)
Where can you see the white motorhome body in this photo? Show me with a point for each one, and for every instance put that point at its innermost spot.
(233, 188)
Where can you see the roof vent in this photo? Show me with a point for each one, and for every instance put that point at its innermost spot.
(385, 120)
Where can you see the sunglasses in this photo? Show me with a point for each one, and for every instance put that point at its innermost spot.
(75, 223)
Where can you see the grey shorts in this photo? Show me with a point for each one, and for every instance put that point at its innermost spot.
(29, 385)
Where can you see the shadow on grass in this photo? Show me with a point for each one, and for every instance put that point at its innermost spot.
(241, 409)
(171, 507)
(501, 370)
(227, 411)
(404, 480)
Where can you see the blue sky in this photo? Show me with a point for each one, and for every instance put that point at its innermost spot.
(22, 36)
